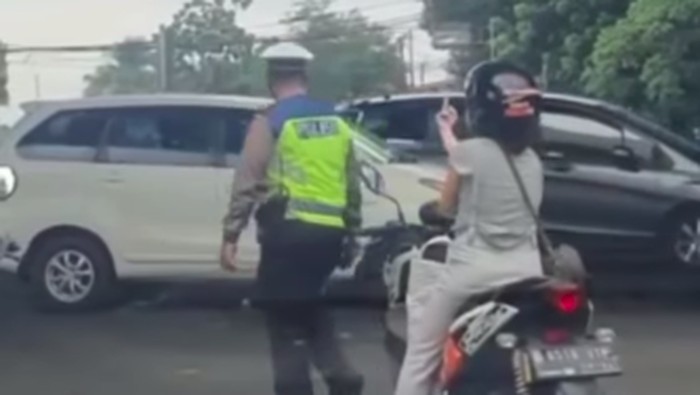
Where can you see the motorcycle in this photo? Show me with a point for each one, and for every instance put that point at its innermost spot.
(532, 337)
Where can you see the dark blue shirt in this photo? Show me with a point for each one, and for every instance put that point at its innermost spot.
(298, 106)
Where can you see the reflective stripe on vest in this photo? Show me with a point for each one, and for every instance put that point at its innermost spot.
(309, 166)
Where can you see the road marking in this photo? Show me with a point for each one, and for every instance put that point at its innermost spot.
(189, 372)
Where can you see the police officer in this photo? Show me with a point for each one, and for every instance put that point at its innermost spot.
(299, 169)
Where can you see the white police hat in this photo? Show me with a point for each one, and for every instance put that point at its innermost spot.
(287, 51)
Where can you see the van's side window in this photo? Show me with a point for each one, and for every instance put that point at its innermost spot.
(582, 140)
(237, 122)
(185, 136)
(66, 136)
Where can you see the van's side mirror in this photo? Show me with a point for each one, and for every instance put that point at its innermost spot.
(556, 160)
(624, 158)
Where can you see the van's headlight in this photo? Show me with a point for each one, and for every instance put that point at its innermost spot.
(8, 182)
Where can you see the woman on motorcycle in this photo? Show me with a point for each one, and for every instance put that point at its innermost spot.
(495, 236)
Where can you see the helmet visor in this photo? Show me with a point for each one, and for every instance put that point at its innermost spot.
(519, 96)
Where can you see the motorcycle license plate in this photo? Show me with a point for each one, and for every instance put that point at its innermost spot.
(573, 361)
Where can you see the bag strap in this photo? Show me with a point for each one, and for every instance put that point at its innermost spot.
(546, 241)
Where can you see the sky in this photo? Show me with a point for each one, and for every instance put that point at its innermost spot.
(77, 22)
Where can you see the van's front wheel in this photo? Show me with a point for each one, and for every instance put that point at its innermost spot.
(71, 273)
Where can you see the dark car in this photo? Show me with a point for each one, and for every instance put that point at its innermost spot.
(617, 185)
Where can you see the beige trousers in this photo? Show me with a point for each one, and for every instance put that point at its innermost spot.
(431, 310)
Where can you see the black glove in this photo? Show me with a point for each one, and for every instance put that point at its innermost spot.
(431, 216)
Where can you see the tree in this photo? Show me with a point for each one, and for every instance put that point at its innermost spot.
(206, 52)
(210, 52)
(650, 61)
(461, 61)
(643, 54)
(558, 33)
(132, 71)
(476, 13)
(352, 56)
(477, 16)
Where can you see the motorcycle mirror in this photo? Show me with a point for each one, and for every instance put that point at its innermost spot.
(373, 179)
(625, 158)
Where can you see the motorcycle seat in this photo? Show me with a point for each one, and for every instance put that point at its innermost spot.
(513, 291)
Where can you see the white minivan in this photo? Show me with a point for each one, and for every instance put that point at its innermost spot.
(100, 189)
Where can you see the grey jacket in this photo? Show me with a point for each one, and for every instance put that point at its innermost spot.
(250, 186)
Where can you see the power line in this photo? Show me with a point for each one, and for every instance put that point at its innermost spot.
(60, 66)
(109, 47)
(285, 22)
(379, 26)
(385, 27)
(76, 63)
(58, 57)
(62, 48)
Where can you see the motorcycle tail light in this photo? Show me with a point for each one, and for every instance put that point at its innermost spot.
(567, 299)
(453, 360)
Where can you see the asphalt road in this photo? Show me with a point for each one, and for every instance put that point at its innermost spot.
(197, 339)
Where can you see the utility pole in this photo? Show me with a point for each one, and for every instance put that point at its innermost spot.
(401, 49)
(37, 86)
(411, 59)
(163, 48)
(545, 70)
(492, 36)
(4, 76)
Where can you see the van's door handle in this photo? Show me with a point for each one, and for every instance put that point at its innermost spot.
(114, 178)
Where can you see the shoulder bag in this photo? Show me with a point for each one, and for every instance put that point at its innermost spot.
(564, 261)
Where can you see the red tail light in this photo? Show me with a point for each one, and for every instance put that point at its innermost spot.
(567, 299)
(453, 360)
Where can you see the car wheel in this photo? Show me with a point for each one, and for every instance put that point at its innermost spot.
(581, 387)
(683, 239)
(71, 273)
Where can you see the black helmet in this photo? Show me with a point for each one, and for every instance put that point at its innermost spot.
(503, 103)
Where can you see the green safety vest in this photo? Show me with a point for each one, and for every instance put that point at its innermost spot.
(309, 168)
